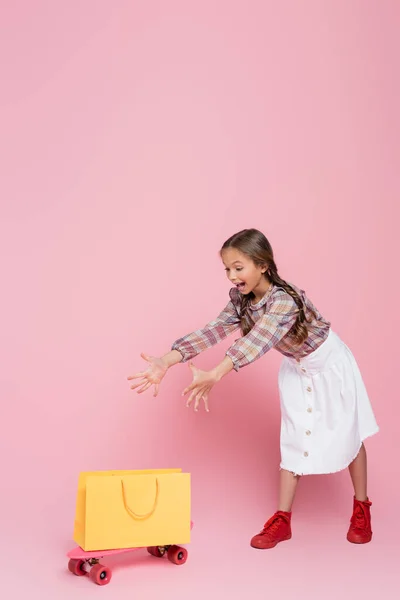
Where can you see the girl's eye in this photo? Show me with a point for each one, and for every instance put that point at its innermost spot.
(239, 269)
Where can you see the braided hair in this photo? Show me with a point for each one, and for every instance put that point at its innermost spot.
(255, 245)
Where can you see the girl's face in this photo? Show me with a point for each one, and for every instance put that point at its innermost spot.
(244, 273)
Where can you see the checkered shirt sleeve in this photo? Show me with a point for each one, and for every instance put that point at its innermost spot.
(211, 334)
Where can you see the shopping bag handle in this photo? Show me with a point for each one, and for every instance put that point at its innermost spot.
(132, 513)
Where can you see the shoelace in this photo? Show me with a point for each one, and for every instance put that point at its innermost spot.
(359, 520)
(272, 525)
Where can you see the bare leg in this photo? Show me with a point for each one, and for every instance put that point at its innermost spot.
(287, 490)
(358, 474)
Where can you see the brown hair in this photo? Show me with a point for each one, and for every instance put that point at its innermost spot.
(255, 245)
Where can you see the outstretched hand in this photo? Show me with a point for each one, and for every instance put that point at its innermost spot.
(203, 382)
(153, 375)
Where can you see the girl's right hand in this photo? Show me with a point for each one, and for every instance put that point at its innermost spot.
(152, 376)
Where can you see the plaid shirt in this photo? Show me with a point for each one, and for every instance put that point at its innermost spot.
(274, 316)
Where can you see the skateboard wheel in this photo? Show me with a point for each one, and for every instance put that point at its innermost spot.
(76, 567)
(155, 551)
(177, 555)
(100, 574)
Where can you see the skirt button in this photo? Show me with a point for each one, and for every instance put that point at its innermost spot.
(306, 454)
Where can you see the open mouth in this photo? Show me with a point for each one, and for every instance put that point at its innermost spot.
(240, 286)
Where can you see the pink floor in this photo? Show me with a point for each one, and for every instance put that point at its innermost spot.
(318, 563)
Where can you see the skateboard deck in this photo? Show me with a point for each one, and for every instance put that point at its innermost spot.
(79, 553)
(83, 562)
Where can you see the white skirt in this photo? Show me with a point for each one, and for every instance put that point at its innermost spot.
(326, 412)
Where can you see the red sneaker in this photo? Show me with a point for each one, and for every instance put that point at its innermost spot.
(276, 529)
(360, 531)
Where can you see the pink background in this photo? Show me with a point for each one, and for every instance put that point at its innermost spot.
(135, 138)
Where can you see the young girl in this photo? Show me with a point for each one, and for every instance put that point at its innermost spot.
(326, 413)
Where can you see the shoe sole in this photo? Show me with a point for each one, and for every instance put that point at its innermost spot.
(271, 545)
(360, 542)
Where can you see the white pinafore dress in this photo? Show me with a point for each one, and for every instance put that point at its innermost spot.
(326, 412)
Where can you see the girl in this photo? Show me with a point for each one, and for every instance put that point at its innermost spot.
(326, 412)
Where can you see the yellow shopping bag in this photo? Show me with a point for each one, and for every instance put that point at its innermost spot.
(129, 509)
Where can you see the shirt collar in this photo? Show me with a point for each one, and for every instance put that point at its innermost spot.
(263, 300)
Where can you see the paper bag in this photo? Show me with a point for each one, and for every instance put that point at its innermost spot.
(131, 509)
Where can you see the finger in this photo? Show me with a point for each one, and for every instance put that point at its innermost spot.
(156, 388)
(191, 398)
(137, 375)
(197, 402)
(145, 357)
(205, 398)
(139, 384)
(145, 387)
(188, 389)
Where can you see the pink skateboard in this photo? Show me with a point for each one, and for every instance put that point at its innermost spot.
(88, 563)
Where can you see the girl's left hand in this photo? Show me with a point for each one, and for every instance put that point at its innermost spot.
(202, 383)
